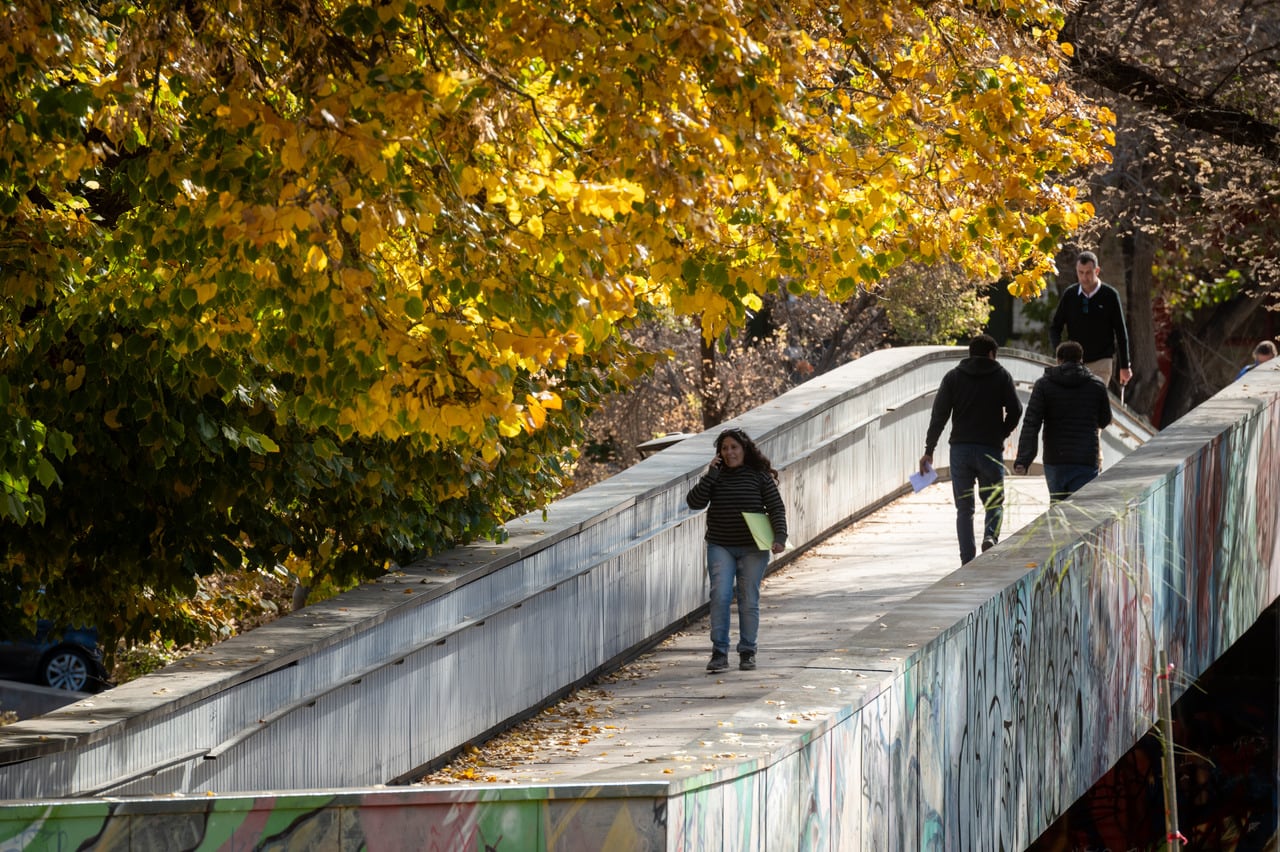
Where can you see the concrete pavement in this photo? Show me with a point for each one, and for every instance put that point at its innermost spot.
(665, 707)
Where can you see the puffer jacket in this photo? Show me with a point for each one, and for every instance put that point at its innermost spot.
(1072, 404)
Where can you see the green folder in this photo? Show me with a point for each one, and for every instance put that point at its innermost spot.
(761, 529)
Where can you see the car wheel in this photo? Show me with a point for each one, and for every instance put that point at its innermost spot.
(67, 668)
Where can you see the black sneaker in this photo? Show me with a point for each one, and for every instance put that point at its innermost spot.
(747, 661)
(988, 543)
(719, 663)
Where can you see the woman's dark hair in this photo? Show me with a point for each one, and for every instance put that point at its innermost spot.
(751, 455)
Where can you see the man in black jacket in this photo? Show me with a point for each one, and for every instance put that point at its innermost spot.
(1073, 405)
(979, 398)
(1094, 318)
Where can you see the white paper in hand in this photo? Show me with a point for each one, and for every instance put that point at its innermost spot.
(923, 480)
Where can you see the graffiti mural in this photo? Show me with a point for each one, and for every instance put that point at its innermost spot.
(373, 821)
(1227, 755)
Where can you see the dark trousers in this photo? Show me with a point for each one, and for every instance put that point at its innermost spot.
(1066, 479)
(981, 465)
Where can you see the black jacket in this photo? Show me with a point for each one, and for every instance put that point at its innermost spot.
(1098, 326)
(979, 397)
(1073, 405)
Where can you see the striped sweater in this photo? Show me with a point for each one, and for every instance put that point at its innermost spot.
(731, 491)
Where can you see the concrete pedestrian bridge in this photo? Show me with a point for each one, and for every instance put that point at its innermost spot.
(901, 702)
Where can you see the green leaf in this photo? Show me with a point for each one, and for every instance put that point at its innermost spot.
(45, 472)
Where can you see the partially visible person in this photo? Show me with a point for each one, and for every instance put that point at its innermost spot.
(739, 479)
(1094, 318)
(1262, 353)
(982, 404)
(1072, 404)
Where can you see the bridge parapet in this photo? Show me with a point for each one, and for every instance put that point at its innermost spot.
(845, 443)
(454, 645)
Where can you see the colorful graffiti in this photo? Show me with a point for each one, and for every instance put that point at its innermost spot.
(370, 821)
(1226, 756)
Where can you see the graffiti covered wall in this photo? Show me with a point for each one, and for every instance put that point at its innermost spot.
(368, 821)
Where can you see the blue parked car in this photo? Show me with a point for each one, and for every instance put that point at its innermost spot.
(63, 659)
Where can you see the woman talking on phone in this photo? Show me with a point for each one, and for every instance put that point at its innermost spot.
(740, 479)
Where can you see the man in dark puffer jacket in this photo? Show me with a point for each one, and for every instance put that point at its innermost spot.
(1073, 405)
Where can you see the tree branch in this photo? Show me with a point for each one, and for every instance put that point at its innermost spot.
(1177, 104)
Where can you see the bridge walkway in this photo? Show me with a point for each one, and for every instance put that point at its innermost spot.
(664, 709)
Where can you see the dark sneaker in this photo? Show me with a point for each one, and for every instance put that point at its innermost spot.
(747, 662)
(719, 663)
(988, 543)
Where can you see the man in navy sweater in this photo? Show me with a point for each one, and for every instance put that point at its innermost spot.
(1094, 318)
(979, 398)
(1072, 405)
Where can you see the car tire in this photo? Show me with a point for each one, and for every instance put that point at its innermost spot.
(68, 668)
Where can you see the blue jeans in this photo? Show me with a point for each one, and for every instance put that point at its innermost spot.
(747, 565)
(1066, 479)
(970, 462)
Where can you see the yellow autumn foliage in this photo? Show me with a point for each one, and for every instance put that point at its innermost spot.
(426, 212)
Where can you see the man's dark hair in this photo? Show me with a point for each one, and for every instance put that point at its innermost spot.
(1087, 257)
(1266, 347)
(983, 346)
(1069, 351)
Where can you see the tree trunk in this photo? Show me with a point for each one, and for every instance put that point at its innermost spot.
(1199, 367)
(1144, 387)
(709, 386)
(858, 316)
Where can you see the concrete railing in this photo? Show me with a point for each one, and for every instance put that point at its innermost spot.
(396, 673)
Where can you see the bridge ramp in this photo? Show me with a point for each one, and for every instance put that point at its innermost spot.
(664, 709)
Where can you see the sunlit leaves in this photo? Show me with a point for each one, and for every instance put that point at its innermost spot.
(357, 275)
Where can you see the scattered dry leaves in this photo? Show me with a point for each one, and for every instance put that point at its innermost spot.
(561, 729)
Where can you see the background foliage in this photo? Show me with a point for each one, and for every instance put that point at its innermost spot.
(322, 285)
(789, 340)
(1190, 199)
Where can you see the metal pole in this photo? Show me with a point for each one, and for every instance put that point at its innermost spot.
(1172, 834)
